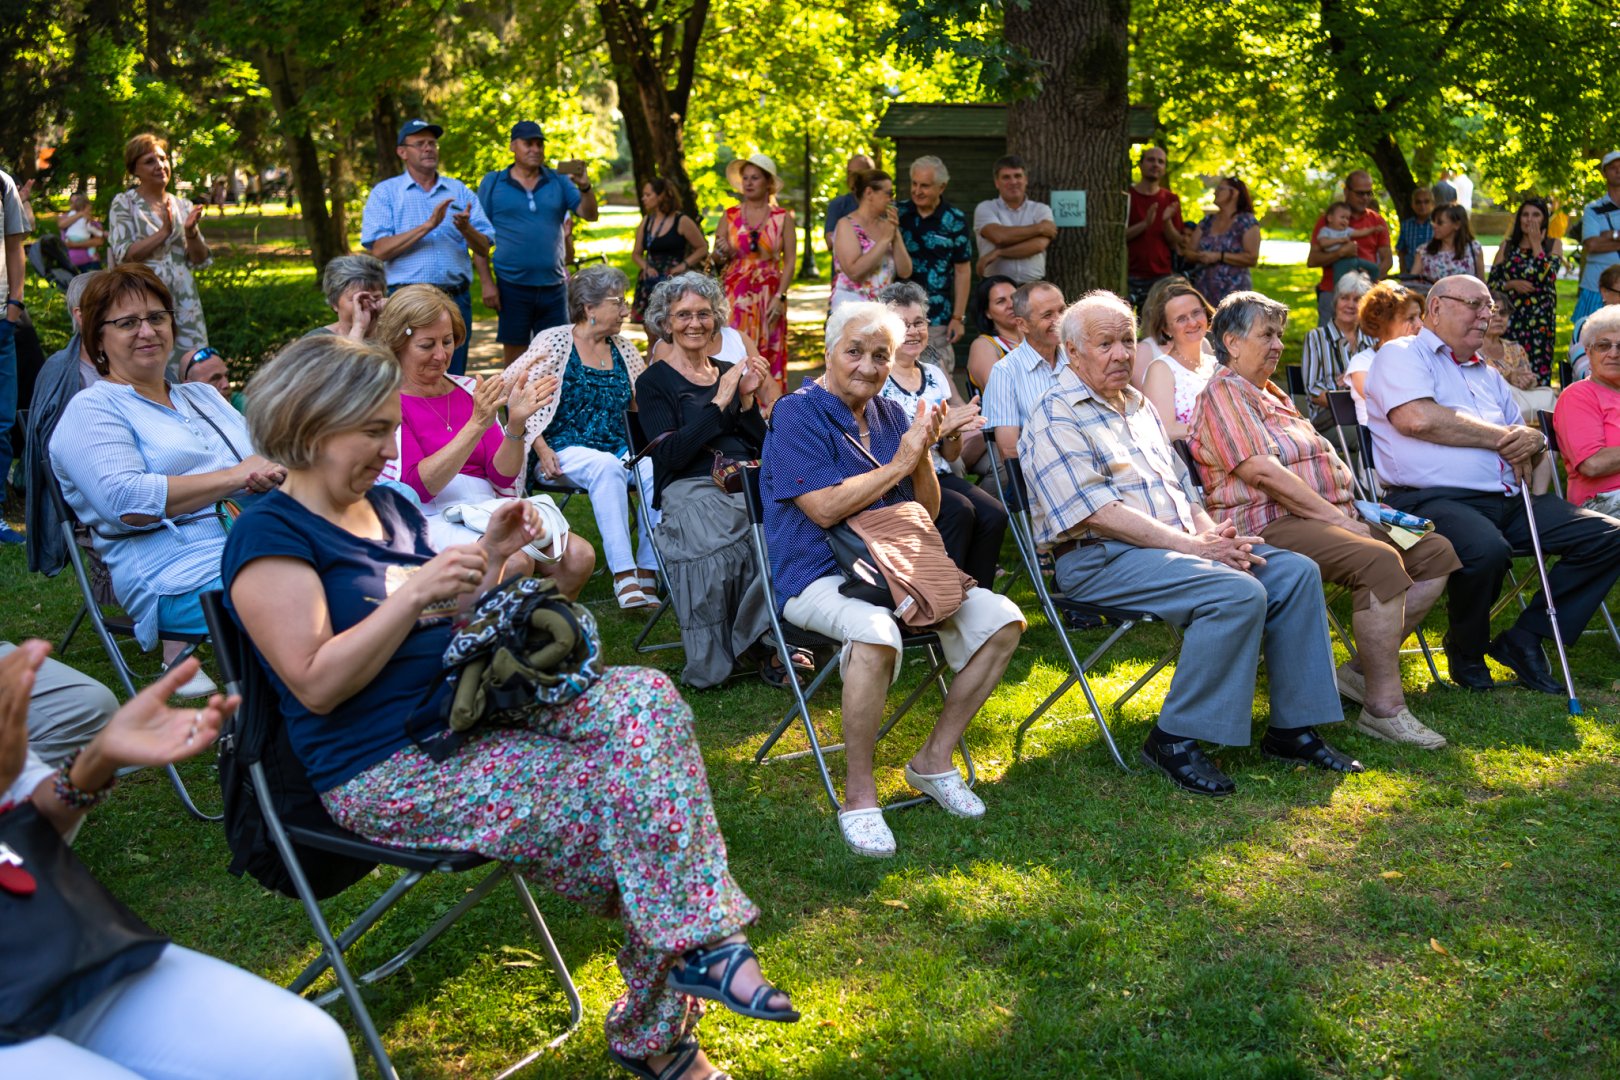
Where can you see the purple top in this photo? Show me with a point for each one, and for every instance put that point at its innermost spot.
(428, 426)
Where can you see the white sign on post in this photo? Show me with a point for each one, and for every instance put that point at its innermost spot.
(1069, 209)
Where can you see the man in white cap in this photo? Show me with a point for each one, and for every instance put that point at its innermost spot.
(529, 205)
(404, 225)
(1600, 238)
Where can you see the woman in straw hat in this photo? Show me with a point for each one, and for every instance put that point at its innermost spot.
(755, 240)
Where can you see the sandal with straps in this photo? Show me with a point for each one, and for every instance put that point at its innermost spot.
(697, 978)
(684, 1052)
(1183, 761)
(628, 593)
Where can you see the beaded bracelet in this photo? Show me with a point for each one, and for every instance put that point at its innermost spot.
(74, 796)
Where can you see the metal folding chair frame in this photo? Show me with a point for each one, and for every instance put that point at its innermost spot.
(233, 654)
(637, 440)
(800, 709)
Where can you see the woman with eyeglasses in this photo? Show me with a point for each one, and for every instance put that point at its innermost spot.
(146, 224)
(1225, 244)
(578, 432)
(1180, 368)
(667, 242)
(868, 253)
(755, 242)
(143, 462)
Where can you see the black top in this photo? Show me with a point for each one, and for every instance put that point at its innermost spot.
(668, 242)
(668, 401)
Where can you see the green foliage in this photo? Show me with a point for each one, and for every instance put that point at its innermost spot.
(255, 307)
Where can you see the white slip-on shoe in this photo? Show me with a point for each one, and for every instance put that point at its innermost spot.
(199, 685)
(866, 833)
(949, 790)
(1403, 727)
(1352, 684)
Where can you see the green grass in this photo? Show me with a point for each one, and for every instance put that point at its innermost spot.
(1443, 915)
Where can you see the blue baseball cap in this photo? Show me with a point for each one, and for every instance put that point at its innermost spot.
(527, 129)
(413, 127)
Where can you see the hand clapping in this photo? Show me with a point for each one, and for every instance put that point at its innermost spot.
(488, 396)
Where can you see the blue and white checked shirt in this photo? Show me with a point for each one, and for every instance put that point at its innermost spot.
(398, 205)
(113, 453)
(1017, 383)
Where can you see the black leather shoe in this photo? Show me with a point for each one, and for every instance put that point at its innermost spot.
(1187, 767)
(1471, 674)
(1526, 660)
(1304, 745)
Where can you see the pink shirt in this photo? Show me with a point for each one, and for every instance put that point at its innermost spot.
(428, 426)
(1587, 420)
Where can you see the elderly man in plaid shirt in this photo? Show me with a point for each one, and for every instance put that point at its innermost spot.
(1108, 501)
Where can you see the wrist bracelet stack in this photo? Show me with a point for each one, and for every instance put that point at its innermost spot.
(74, 796)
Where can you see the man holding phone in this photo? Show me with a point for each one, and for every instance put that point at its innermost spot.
(421, 225)
(530, 204)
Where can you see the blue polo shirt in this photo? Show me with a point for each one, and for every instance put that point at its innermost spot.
(399, 204)
(530, 223)
(806, 451)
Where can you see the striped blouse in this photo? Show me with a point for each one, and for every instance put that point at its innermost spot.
(1235, 420)
(113, 453)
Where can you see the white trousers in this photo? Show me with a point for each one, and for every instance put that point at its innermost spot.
(607, 481)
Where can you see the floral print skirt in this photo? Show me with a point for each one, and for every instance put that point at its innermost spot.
(603, 801)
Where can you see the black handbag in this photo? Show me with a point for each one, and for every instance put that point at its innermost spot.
(65, 941)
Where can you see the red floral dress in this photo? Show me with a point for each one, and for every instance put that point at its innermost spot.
(752, 279)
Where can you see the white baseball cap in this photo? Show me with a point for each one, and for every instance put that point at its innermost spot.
(1612, 155)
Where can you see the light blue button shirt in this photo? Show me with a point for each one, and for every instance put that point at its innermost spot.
(1017, 383)
(399, 204)
(1408, 369)
(1600, 216)
(113, 453)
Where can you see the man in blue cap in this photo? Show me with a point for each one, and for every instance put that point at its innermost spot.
(530, 204)
(404, 225)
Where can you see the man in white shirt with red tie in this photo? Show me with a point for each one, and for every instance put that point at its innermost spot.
(1451, 446)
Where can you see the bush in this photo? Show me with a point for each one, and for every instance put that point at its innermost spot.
(254, 308)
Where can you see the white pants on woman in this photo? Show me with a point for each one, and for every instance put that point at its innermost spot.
(187, 1016)
(607, 481)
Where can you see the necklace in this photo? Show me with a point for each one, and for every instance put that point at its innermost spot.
(443, 415)
(603, 364)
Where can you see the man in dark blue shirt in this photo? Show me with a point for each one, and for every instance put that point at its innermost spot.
(937, 237)
(532, 203)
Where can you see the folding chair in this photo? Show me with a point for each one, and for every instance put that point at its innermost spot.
(255, 727)
(95, 590)
(640, 445)
(1545, 418)
(1063, 614)
(788, 636)
(1294, 377)
(1006, 497)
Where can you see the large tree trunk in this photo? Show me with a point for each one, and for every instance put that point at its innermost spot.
(385, 124)
(1390, 161)
(328, 238)
(654, 113)
(1073, 133)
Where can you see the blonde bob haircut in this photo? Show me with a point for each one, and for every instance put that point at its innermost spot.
(139, 147)
(862, 318)
(413, 308)
(317, 387)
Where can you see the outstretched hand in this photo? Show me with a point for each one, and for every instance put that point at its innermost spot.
(17, 672)
(147, 732)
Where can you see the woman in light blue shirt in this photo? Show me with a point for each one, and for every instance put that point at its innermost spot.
(143, 462)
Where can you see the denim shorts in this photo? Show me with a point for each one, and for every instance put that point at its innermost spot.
(528, 309)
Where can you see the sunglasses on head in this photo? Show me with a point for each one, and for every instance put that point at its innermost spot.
(207, 352)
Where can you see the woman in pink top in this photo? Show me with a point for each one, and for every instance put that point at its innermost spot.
(1587, 418)
(868, 253)
(451, 450)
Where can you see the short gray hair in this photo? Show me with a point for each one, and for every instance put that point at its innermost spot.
(75, 293)
(1023, 297)
(1239, 313)
(347, 271)
(1605, 320)
(669, 292)
(317, 387)
(862, 317)
(593, 285)
(903, 294)
(1094, 303)
(1355, 283)
(942, 175)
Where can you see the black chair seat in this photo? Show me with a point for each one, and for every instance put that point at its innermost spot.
(1110, 614)
(124, 626)
(340, 842)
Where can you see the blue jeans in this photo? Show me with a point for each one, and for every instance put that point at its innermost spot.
(8, 397)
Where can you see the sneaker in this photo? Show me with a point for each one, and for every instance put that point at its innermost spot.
(949, 790)
(866, 833)
(1352, 684)
(8, 535)
(199, 685)
(1403, 727)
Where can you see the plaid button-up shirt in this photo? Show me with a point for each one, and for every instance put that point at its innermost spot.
(1079, 454)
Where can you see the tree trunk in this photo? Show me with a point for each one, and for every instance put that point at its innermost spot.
(325, 230)
(385, 123)
(654, 114)
(1073, 132)
(1390, 161)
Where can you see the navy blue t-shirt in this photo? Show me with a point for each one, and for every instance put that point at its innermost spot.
(806, 451)
(358, 574)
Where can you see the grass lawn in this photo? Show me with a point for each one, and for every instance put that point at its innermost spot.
(1445, 914)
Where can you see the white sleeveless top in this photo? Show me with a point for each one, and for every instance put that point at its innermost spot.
(1189, 384)
(732, 349)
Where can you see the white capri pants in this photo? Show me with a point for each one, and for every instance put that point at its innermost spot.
(607, 481)
(188, 1016)
(822, 609)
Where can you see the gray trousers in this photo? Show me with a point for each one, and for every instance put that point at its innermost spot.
(1227, 617)
(65, 710)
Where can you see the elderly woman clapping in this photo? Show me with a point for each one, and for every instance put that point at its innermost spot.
(578, 433)
(698, 407)
(837, 448)
(356, 287)
(1587, 419)
(1276, 477)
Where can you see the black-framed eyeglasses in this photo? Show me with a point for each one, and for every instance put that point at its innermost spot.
(207, 352)
(1476, 305)
(130, 324)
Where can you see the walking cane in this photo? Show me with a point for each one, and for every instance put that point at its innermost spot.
(1546, 591)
